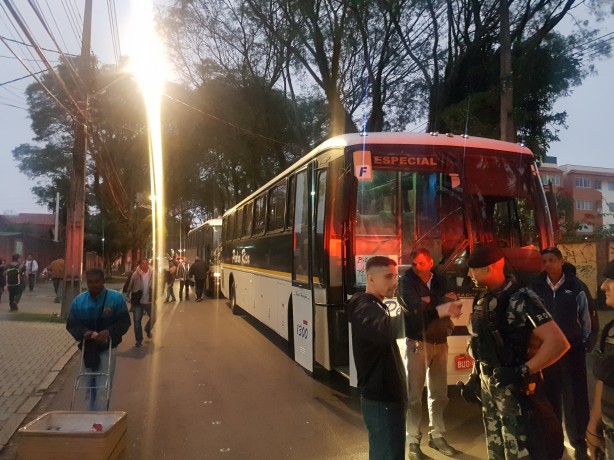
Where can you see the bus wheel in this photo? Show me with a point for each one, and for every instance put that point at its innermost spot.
(233, 299)
(290, 329)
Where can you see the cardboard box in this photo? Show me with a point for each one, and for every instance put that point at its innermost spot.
(68, 435)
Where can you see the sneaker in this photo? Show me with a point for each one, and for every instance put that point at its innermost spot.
(199, 299)
(138, 344)
(415, 453)
(149, 334)
(442, 446)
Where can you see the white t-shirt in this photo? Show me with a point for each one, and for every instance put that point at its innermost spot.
(146, 278)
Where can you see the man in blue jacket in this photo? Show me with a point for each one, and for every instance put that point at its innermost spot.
(567, 299)
(97, 316)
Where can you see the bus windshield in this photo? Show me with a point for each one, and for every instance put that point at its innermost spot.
(444, 199)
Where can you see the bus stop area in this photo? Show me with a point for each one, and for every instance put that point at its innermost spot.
(209, 384)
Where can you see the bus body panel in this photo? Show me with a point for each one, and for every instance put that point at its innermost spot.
(445, 193)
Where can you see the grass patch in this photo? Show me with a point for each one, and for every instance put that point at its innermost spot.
(37, 317)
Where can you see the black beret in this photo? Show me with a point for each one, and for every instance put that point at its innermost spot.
(483, 256)
(609, 270)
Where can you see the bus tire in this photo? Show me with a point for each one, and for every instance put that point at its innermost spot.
(290, 329)
(233, 299)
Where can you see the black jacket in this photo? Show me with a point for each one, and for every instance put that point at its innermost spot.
(381, 374)
(198, 270)
(421, 320)
(570, 306)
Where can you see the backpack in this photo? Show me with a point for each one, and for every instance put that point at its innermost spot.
(13, 276)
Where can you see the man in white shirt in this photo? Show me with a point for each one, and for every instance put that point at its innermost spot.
(31, 271)
(140, 294)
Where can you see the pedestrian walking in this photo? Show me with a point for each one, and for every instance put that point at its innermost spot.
(170, 275)
(513, 339)
(198, 270)
(422, 291)
(15, 276)
(600, 430)
(31, 271)
(56, 273)
(2, 276)
(565, 382)
(140, 293)
(182, 276)
(97, 316)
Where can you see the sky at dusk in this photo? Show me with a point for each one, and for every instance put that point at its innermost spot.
(587, 140)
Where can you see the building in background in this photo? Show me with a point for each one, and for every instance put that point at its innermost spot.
(590, 191)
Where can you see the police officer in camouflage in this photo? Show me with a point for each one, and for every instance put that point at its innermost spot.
(600, 430)
(513, 339)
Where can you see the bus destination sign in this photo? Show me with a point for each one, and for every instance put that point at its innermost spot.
(381, 161)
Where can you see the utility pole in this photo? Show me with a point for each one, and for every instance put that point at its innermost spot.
(75, 225)
(508, 132)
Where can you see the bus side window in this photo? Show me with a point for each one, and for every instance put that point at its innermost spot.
(290, 202)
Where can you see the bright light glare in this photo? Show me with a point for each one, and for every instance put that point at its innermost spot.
(149, 68)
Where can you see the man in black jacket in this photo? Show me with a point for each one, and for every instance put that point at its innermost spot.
(427, 350)
(567, 299)
(381, 376)
(199, 271)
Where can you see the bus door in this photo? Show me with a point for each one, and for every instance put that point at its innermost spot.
(302, 334)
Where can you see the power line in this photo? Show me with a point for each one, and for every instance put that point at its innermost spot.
(29, 45)
(30, 75)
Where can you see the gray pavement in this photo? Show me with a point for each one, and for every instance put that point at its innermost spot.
(32, 354)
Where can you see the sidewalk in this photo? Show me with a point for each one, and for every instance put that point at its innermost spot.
(32, 354)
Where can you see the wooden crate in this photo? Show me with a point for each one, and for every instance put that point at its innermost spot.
(62, 435)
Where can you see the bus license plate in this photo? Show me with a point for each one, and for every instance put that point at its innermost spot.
(464, 362)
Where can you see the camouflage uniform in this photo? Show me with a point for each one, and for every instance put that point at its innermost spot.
(604, 371)
(501, 325)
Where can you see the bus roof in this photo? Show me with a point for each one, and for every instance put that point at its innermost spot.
(396, 138)
(210, 223)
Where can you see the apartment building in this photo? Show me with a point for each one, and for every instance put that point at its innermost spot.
(591, 188)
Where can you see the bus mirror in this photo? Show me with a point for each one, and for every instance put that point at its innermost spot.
(344, 202)
(551, 200)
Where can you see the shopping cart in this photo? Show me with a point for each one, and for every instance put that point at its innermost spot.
(84, 377)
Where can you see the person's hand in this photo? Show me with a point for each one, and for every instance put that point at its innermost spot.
(88, 335)
(426, 299)
(504, 376)
(102, 337)
(471, 390)
(450, 296)
(450, 309)
(595, 441)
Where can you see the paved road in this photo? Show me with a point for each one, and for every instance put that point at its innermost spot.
(211, 385)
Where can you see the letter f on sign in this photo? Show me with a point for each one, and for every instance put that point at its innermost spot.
(362, 165)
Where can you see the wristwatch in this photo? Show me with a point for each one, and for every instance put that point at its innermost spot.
(524, 371)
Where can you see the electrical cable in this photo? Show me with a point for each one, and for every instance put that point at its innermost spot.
(69, 65)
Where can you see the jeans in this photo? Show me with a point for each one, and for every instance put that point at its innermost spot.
(426, 359)
(56, 287)
(95, 396)
(137, 313)
(385, 423)
(31, 280)
(15, 294)
(199, 288)
(170, 293)
(186, 284)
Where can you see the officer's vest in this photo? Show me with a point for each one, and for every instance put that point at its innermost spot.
(604, 371)
(493, 342)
